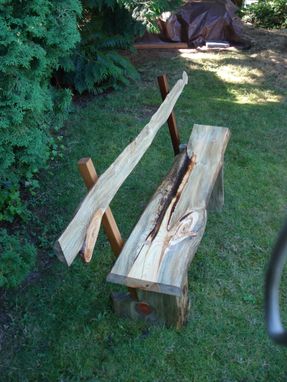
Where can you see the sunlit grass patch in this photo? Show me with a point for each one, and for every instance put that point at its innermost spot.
(234, 75)
(255, 96)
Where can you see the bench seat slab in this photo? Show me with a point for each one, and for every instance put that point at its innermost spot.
(164, 241)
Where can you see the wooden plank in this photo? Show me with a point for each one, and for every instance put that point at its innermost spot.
(217, 45)
(90, 177)
(161, 45)
(98, 199)
(164, 90)
(160, 264)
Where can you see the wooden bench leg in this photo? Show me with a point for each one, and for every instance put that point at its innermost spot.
(216, 201)
(154, 307)
(174, 134)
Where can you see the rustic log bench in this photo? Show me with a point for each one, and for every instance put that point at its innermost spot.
(154, 261)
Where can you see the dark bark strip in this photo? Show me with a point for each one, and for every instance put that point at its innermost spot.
(180, 176)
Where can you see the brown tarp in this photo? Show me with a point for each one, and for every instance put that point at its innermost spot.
(199, 21)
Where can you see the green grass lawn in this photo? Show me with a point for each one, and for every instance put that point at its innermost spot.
(60, 327)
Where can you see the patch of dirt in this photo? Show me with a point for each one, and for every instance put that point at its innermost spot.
(267, 39)
(269, 48)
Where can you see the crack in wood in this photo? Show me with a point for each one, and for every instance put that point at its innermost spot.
(174, 194)
(185, 178)
(179, 232)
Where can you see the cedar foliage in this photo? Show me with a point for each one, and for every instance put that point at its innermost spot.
(17, 259)
(34, 35)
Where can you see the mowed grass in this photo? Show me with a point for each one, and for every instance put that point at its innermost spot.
(60, 326)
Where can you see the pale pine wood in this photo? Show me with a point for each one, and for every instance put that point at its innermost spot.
(90, 177)
(160, 263)
(98, 199)
(164, 90)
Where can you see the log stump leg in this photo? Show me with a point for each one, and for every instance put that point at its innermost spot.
(216, 201)
(155, 308)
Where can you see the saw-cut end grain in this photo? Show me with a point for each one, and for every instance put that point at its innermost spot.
(92, 236)
(185, 78)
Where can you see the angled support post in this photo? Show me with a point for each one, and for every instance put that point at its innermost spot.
(164, 90)
(89, 175)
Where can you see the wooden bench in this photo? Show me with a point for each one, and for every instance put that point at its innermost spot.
(154, 261)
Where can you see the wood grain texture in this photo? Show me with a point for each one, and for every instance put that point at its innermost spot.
(160, 263)
(90, 177)
(98, 199)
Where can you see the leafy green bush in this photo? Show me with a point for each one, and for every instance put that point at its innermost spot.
(267, 13)
(107, 27)
(148, 11)
(16, 259)
(96, 64)
(34, 35)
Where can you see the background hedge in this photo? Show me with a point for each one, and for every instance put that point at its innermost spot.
(267, 14)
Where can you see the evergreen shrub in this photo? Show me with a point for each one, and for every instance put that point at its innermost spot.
(34, 35)
(96, 64)
(17, 258)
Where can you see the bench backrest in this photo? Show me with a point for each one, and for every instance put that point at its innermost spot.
(93, 207)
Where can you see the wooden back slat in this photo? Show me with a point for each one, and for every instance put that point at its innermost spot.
(100, 196)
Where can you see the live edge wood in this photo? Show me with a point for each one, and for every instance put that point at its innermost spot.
(90, 177)
(156, 256)
(99, 197)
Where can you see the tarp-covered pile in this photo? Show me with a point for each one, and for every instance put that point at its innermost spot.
(199, 21)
